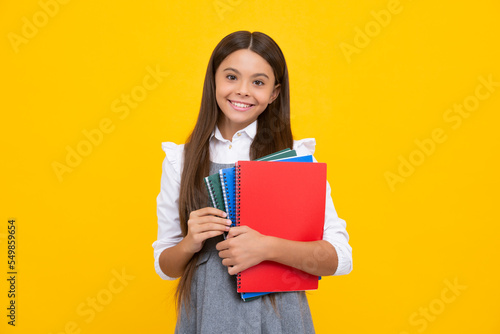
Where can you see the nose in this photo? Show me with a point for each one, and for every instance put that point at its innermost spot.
(242, 89)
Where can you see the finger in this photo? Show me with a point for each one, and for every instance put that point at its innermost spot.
(223, 254)
(237, 230)
(201, 225)
(207, 235)
(222, 245)
(214, 219)
(207, 211)
(228, 262)
(209, 219)
(201, 228)
(226, 254)
(233, 270)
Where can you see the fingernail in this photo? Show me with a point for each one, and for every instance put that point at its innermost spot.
(227, 228)
(224, 214)
(228, 222)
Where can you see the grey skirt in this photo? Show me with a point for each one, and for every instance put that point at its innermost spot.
(216, 307)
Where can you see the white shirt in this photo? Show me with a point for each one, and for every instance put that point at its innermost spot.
(225, 151)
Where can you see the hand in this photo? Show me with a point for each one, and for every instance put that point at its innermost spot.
(204, 224)
(243, 248)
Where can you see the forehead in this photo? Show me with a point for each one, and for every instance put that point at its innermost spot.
(246, 61)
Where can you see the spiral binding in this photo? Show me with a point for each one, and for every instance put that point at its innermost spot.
(237, 214)
(238, 281)
(225, 193)
(238, 189)
(210, 189)
(216, 203)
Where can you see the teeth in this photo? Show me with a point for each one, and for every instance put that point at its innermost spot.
(241, 105)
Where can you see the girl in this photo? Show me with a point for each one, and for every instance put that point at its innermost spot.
(244, 115)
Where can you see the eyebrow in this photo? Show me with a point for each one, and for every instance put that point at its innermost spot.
(238, 72)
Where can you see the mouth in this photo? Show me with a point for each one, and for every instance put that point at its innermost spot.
(240, 106)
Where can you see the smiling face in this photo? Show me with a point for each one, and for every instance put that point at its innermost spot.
(244, 86)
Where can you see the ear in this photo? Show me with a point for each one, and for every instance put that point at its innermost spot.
(276, 92)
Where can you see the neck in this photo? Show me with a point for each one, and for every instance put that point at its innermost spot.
(228, 129)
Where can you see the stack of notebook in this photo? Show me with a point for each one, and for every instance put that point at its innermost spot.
(278, 195)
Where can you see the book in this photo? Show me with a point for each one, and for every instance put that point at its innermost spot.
(285, 200)
(248, 296)
(286, 153)
(222, 193)
(302, 158)
(228, 183)
(214, 189)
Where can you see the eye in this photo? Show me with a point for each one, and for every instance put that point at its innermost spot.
(231, 77)
(258, 83)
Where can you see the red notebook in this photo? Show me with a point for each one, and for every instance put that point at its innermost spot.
(285, 200)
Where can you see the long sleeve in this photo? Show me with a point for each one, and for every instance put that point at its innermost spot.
(335, 228)
(335, 233)
(169, 231)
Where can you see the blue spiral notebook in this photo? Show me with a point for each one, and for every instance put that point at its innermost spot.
(227, 180)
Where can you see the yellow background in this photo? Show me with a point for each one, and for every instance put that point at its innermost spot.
(438, 227)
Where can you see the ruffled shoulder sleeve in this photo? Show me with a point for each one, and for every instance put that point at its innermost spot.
(305, 146)
(174, 155)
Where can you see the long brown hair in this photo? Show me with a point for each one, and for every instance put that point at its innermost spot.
(273, 133)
